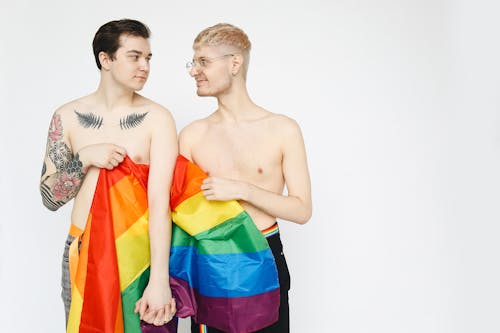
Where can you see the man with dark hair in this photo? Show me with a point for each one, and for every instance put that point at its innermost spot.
(114, 150)
(249, 153)
(107, 37)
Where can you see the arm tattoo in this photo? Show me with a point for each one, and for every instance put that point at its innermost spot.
(44, 169)
(68, 180)
(132, 120)
(48, 199)
(63, 185)
(89, 120)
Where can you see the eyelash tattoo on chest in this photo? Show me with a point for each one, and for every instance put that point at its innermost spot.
(89, 120)
(132, 120)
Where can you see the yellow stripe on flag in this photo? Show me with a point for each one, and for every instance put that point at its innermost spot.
(75, 313)
(197, 214)
(132, 249)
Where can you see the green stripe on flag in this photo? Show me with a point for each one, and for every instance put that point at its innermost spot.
(130, 296)
(240, 229)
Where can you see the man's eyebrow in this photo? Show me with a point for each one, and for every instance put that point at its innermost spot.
(139, 52)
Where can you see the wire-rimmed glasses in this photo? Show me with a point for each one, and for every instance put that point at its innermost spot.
(203, 62)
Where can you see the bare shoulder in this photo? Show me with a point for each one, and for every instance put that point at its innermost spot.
(65, 112)
(191, 135)
(194, 130)
(282, 124)
(157, 113)
(142, 102)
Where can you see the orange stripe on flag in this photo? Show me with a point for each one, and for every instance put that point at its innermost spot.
(79, 258)
(119, 318)
(124, 213)
(181, 189)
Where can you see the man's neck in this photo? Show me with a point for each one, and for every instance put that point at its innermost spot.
(236, 106)
(112, 96)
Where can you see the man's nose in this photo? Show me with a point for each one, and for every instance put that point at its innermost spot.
(193, 71)
(144, 65)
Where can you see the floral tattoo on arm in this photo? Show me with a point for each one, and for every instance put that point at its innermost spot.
(63, 185)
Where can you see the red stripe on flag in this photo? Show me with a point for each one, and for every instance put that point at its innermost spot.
(181, 188)
(102, 287)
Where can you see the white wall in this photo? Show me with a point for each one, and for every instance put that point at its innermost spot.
(399, 105)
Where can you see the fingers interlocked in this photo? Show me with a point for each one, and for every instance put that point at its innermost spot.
(160, 316)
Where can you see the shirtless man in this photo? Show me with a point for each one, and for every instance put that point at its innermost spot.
(249, 153)
(98, 131)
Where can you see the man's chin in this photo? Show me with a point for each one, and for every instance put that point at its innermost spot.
(138, 86)
(202, 93)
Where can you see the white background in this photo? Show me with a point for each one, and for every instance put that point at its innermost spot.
(399, 104)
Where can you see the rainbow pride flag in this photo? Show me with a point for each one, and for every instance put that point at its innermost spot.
(109, 261)
(222, 271)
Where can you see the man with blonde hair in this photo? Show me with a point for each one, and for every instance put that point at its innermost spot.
(249, 153)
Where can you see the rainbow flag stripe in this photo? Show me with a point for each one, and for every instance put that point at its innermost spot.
(111, 269)
(222, 270)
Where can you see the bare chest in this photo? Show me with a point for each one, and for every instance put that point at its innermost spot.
(136, 141)
(247, 155)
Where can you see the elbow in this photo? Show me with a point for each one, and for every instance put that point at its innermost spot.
(48, 201)
(50, 206)
(304, 219)
(303, 212)
(305, 216)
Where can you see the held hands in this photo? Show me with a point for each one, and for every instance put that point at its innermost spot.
(102, 155)
(156, 306)
(222, 189)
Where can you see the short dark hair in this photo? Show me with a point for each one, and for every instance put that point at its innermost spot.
(107, 38)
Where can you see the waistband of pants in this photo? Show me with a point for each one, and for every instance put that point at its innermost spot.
(272, 230)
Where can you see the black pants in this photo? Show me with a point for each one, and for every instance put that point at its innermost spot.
(283, 323)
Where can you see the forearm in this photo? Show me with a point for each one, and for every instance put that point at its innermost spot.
(160, 231)
(60, 187)
(286, 207)
(163, 153)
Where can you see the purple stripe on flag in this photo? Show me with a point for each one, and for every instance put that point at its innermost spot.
(236, 314)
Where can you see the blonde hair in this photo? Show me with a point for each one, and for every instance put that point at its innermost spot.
(226, 34)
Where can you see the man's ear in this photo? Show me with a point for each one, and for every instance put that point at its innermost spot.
(237, 64)
(105, 60)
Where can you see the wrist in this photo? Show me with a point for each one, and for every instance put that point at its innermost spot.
(161, 281)
(158, 275)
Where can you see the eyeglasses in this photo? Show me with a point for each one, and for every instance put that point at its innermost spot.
(203, 62)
